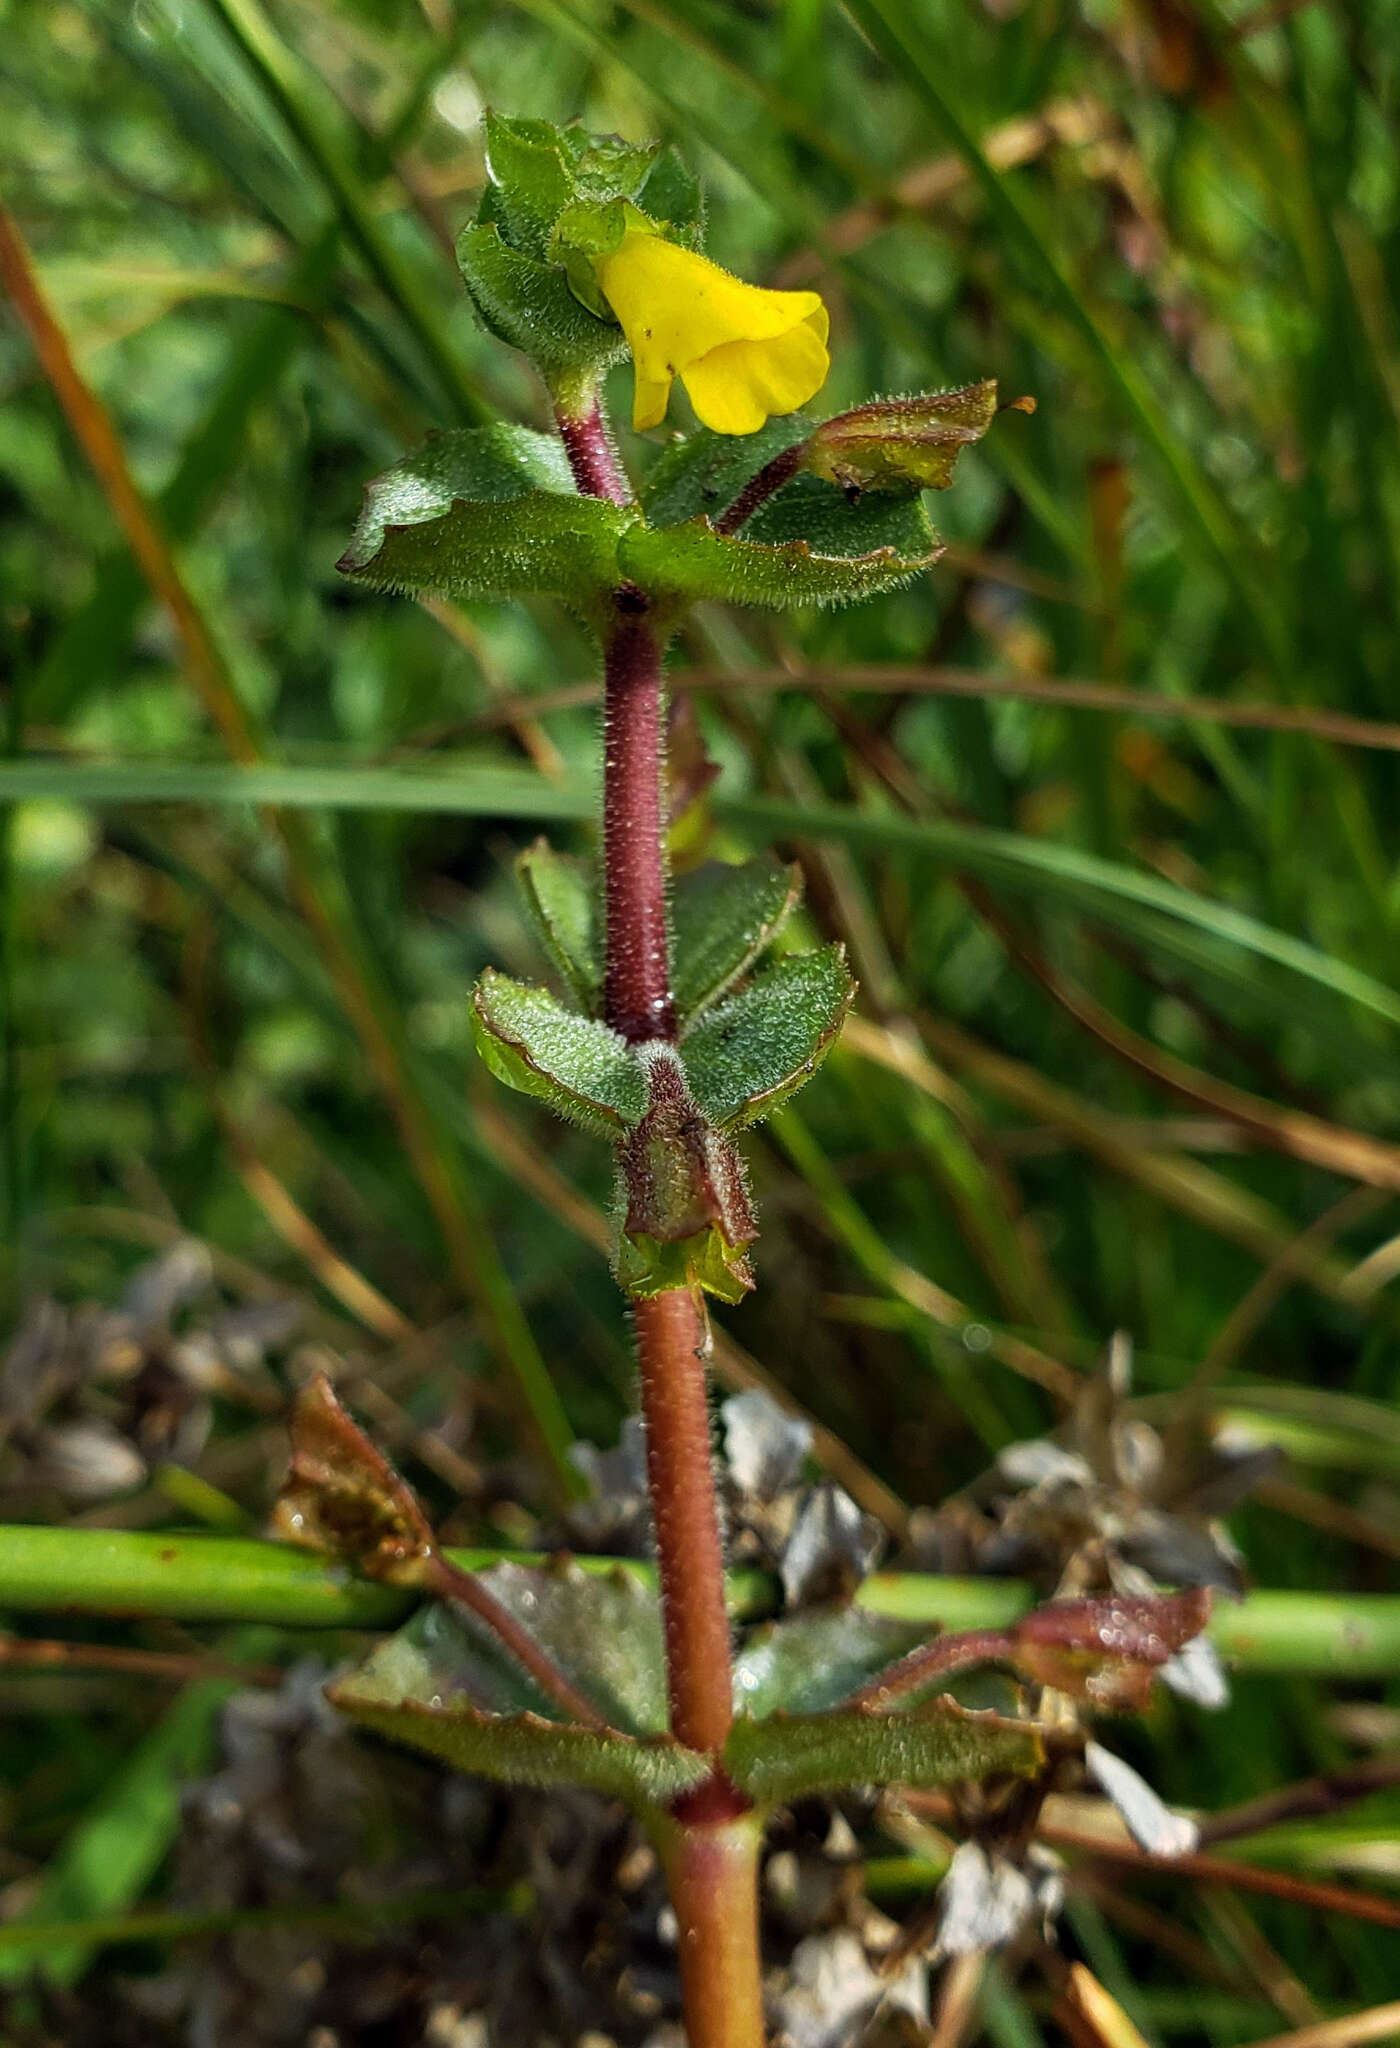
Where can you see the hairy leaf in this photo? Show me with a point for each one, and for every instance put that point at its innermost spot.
(789, 1756)
(601, 1630)
(757, 1048)
(529, 304)
(561, 895)
(903, 444)
(844, 526)
(526, 163)
(485, 512)
(813, 1661)
(442, 1652)
(674, 197)
(692, 561)
(522, 1749)
(445, 1683)
(722, 919)
(585, 1071)
(607, 167)
(703, 474)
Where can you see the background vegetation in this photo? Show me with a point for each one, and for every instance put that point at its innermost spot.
(1105, 808)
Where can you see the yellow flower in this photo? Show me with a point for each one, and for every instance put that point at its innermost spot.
(742, 353)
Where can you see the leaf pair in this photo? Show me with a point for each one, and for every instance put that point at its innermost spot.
(438, 1686)
(671, 1110)
(551, 1675)
(493, 512)
(741, 1060)
(722, 919)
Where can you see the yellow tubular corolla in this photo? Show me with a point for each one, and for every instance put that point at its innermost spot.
(742, 353)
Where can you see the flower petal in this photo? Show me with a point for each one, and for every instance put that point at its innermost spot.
(677, 309)
(736, 387)
(650, 397)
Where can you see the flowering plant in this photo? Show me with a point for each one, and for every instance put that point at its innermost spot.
(669, 1038)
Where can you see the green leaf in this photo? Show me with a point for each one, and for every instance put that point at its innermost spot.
(704, 473)
(791, 1756)
(692, 561)
(525, 163)
(485, 512)
(446, 1652)
(443, 1683)
(759, 1047)
(813, 1661)
(601, 1629)
(585, 1071)
(495, 464)
(674, 197)
(610, 168)
(841, 526)
(722, 919)
(529, 304)
(522, 1749)
(561, 894)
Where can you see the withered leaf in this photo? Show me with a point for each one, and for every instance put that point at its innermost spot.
(342, 1496)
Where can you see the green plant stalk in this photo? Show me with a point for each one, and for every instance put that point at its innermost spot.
(146, 1576)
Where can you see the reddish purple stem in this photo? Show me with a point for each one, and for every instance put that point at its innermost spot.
(594, 460)
(710, 1841)
(450, 1582)
(637, 969)
(938, 1659)
(781, 470)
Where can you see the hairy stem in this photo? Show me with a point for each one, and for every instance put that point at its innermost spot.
(712, 1872)
(592, 455)
(670, 1328)
(637, 969)
(709, 1843)
(938, 1659)
(680, 1478)
(773, 475)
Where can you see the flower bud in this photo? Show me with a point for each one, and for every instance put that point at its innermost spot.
(686, 1215)
(904, 444)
